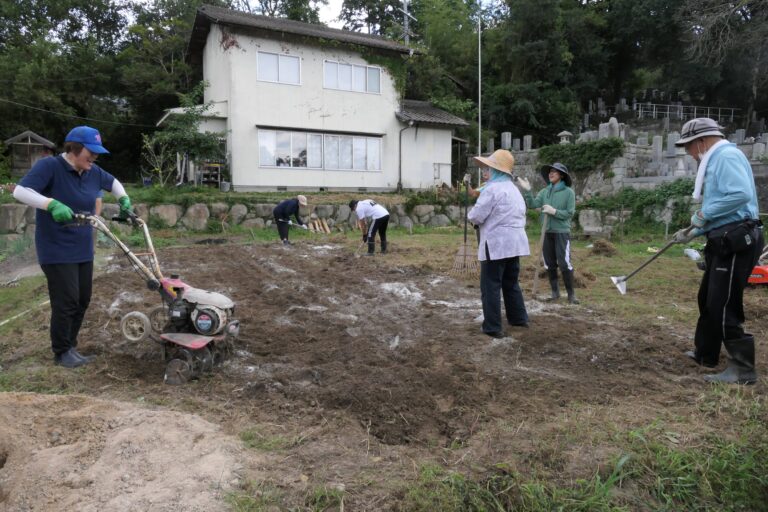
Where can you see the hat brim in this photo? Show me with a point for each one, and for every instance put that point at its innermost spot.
(491, 164)
(710, 133)
(544, 171)
(95, 148)
(303, 204)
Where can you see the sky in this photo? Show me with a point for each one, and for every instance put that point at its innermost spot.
(330, 11)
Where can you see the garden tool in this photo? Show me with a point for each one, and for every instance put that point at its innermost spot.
(621, 281)
(540, 264)
(465, 261)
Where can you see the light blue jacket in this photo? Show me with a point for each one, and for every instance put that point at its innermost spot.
(500, 213)
(729, 188)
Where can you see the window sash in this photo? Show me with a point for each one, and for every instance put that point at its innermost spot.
(351, 77)
(272, 67)
(307, 150)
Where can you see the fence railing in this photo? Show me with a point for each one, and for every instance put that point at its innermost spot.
(683, 112)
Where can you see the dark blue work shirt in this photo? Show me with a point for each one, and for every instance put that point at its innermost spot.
(61, 242)
(287, 208)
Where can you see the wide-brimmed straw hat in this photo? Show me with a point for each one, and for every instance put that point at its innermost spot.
(557, 166)
(501, 160)
(697, 128)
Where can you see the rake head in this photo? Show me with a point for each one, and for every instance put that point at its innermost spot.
(621, 283)
(465, 261)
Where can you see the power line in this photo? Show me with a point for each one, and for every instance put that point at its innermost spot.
(76, 117)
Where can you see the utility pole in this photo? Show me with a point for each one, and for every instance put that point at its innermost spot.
(406, 23)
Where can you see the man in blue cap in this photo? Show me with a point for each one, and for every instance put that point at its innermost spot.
(58, 186)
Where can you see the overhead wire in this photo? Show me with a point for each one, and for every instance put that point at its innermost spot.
(76, 117)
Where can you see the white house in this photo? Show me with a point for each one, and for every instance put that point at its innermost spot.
(309, 107)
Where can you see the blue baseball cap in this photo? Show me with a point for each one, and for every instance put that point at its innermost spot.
(88, 137)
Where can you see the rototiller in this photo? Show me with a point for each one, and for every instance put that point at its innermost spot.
(194, 327)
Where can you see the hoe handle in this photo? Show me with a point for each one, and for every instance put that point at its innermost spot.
(641, 267)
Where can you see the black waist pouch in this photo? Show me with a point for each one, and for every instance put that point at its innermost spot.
(735, 237)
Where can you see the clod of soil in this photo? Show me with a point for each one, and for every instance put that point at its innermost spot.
(601, 247)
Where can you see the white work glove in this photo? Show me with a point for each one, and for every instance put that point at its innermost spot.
(467, 178)
(524, 184)
(290, 223)
(547, 208)
(303, 226)
(684, 235)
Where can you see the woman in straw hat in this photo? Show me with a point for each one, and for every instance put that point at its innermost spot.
(500, 214)
(283, 212)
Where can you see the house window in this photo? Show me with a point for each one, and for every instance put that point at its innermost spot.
(351, 77)
(282, 148)
(271, 67)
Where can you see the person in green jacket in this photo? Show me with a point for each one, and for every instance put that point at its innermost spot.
(558, 204)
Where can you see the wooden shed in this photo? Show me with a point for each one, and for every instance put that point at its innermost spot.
(27, 148)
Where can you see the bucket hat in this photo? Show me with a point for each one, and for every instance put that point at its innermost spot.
(562, 169)
(89, 137)
(302, 200)
(501, 160)
(697, 128)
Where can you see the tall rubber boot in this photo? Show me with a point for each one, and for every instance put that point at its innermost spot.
(383, 247)
(741, 362)
(553, 284)
(568, 280)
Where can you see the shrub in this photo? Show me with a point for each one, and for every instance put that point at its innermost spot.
(584, 157)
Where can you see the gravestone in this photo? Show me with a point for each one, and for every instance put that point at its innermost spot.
(656, 148)
(758, 150)
(666, 124)
(642, 140)
(672, 137)
(740, 134)
(623, 104)
(527, 142)
(613, 127)
(680, 168)
(602, 130)
(506, 140)
(515, 144)
(585, 122)
(491, 145)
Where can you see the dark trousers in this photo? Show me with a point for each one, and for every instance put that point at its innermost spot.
(500, 278)
(69, 288)
(282, 227)
(721, 297)
(379, 225)
(557, 251)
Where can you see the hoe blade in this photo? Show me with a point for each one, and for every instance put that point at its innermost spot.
(621, 283)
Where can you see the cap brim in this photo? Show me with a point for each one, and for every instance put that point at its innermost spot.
(686, 140)
(94, 148)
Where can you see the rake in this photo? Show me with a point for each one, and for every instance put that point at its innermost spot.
(465, 262)
(621, 281)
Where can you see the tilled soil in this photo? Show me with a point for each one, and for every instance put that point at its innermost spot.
(356, 369)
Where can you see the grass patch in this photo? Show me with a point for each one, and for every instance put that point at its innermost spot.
(13, 246)
(29, 293)
(257, 439)
(255, 497)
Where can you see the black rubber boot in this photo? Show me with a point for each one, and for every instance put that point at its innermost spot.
(383, 247)
(553, 283)
(741, 362)
(568, 280)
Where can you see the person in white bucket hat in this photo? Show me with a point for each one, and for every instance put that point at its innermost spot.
(283, 212)
(728, 217)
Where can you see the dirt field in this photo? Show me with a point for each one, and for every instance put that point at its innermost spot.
(350, 373)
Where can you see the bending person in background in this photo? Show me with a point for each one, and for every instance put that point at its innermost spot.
(283, 212)
(379, 220)
(500, 214)
(58, 186)
(558, 204)
(729, 218)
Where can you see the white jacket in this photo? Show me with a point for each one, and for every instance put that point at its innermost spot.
(500, 213)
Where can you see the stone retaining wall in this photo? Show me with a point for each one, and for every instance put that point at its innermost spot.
(20, 219)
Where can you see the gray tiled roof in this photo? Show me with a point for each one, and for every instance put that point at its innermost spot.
(208, 14)
(33, 136)
(422, 112)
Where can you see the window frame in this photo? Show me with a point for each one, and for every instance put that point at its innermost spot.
(367, 139)
(279, 56)
(366, 68)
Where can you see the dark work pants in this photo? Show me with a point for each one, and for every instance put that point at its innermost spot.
(69, 288)
(282, 227)
(499, 278)
(557, 251)
(721, 297)
(379, 225)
